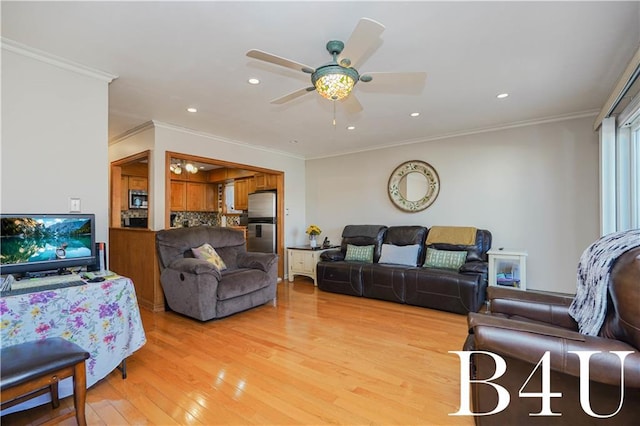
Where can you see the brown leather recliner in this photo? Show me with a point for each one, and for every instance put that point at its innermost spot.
(521, 326)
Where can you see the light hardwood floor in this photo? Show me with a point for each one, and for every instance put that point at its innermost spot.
(314, 358)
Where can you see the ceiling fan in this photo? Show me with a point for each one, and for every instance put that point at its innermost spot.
(336, 79)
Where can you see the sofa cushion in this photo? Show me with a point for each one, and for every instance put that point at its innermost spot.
(384, 281)
(208, 253)
(445, 259)
(400, 255)
(177, 243)
(241, 282)
(363, 235)
(407, 235)
(359, 253)
(476, 252)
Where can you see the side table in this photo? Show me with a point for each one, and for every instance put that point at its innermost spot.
(302, 260)
(508, 268)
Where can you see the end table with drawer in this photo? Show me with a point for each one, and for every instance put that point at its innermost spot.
(302, 260)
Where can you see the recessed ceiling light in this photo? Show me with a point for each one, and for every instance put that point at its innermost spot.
(502, 95)
(351, 127)
(415, 114)
(253, 81)
(192, 109)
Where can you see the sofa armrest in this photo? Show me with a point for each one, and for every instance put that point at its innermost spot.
(255, 260)
(527, 342)
(547, 308)
(475, 267)
(332, 255)
(532, 296)
(194, 266)
(477, 319)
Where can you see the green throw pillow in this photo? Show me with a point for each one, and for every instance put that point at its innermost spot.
(208, 253)
(359, 253)
(445, 259)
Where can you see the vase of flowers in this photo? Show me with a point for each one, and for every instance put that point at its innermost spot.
(313, 231)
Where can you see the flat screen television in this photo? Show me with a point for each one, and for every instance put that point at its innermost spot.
(31, 244)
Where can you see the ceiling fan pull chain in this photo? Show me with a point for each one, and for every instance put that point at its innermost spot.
(334, 113)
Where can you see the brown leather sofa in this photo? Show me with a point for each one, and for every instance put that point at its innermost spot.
(521, 326)
(459, 291)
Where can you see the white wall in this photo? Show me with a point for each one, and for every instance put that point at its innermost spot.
(535, 188)
(140, 140)
(171, 138)
(54, 140)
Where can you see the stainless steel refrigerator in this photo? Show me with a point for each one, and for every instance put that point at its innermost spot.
(261, 227)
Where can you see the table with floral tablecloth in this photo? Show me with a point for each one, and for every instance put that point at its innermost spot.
(103, 318)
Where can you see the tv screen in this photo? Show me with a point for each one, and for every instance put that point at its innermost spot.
(32, 243)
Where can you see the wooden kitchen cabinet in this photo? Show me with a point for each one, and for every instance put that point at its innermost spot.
(195, 196)
(137, 183)
(211, 197)
(198, 177)
(241, 194)
(251, 186)
(178, 195)
(264, 181)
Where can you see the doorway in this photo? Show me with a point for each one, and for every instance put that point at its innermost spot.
(202, 192)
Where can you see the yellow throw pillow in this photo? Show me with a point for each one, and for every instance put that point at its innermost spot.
(208, 253)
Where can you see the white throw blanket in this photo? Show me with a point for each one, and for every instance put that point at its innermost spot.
(589, 307)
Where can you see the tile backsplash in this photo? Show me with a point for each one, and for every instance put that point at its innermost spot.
(195, 219)
(203, 218)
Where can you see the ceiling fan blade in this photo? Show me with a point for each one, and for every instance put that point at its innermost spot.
(351, 104)
(277, 60)
(293, 95)
(397, 82)
(364, 40)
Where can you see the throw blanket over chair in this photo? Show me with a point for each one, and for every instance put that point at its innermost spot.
(522, 326)
(207, 273)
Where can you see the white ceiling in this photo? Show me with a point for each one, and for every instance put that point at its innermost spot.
(555, 59)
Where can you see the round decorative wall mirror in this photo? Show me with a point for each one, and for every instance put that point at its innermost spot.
(413, 186)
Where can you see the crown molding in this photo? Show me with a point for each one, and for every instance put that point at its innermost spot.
(168, 126)
(162, 125)
(131, 132)
(57, 61)
(525, 123)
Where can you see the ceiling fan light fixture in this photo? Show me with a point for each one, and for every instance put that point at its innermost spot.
(334, 82)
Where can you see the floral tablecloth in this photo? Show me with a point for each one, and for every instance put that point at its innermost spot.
(103, 318)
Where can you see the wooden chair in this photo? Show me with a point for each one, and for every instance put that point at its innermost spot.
(34, 368)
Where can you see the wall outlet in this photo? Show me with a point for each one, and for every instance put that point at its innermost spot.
(74, 205)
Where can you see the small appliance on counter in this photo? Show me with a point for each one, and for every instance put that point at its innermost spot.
(135, 222)
(138, 199)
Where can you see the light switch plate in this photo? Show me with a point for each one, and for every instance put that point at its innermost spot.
(74, 205)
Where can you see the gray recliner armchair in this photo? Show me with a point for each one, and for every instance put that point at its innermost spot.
(200, 290)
